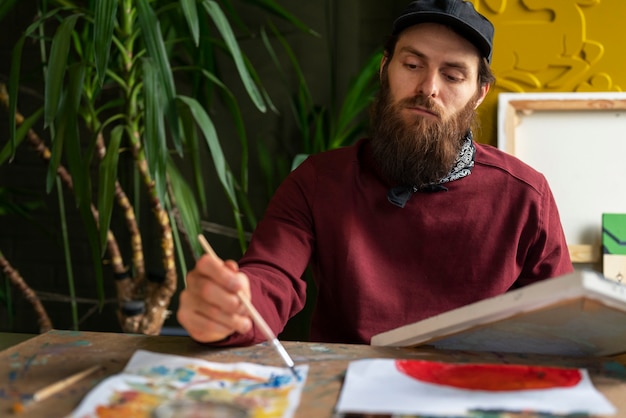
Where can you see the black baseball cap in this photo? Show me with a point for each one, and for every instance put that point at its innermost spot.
(460, 15)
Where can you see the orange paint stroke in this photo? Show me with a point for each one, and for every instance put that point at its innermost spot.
(227, 375)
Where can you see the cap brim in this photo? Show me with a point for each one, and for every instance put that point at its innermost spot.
(467, 31)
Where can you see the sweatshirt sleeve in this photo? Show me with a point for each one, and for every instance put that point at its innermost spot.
(278, 255)
(549, 255)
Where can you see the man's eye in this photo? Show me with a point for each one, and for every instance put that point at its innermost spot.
(453, 78)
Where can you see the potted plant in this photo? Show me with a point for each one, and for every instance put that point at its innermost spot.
(115, 76)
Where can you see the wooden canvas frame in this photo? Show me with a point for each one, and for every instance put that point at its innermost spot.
(577, 314)
(592, 118)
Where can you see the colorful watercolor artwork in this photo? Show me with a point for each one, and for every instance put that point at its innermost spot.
(428, 388)
(152, 380)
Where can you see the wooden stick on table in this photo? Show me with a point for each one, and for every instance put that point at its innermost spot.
(54, 388)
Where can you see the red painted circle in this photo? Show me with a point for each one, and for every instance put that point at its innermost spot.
(490, 377)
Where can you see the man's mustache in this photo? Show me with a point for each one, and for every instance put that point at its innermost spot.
(424, 102)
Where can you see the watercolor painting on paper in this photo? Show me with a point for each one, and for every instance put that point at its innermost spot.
(426, 388)
(151, 380)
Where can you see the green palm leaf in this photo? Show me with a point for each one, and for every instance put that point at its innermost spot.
(56, 67)
(14, 75)
(191, 14)
(210, 135)
(274, 8)
(221, 22)
(193, 145)
(67, 127)
(155, 146)
(360, 94)
(108, 178)
(5, 7)
(186, 205)
(104, 24)
(28, 123)
(151, 31)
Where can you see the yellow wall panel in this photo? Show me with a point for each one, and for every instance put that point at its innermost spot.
(553, 46)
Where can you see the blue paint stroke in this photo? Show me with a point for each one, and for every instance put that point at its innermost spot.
(614, 369)
(184, 375)
(181, 374)
(77, 343)
(29, 361)
(12, 376)
(159, 370)
(61, 348)
(80, 343)
(274, 382)
(14, 394)
(9, 394)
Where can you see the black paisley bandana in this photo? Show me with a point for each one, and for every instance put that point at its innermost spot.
(462, 167)
(464, 162)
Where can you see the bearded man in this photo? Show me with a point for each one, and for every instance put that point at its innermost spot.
(414, 221)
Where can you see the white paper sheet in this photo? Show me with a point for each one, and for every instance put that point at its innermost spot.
(150, 380)
(376, 386)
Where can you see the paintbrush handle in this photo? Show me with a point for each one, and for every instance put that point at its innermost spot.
(257, 318)
(50, 390)
(266, 330)
(284, 355)
(207, 247)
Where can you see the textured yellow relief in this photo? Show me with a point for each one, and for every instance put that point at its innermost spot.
(554, 45)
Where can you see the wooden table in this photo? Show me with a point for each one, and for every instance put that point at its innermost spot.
(50, 357)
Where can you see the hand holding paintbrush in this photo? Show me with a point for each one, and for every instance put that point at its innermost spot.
(254, 314)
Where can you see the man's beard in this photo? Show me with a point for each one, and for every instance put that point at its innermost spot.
(421, 151)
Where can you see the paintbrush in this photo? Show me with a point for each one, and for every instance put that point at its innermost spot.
(255, 315)
(54, 388)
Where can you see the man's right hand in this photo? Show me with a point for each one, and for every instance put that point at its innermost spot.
(210, 309)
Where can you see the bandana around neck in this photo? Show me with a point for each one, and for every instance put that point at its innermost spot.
(462, 167)
(464, 162)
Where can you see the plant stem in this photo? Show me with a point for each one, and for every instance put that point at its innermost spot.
(157, 295)
(16, 279)
(68, 255)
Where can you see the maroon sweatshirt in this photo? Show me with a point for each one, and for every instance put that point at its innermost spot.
(378, 266)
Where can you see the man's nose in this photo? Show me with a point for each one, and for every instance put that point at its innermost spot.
(428, 84)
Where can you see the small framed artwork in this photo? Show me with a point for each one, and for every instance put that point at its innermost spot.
(578, 141)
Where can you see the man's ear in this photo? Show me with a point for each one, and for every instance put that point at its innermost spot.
(383, 61)
(484, 89)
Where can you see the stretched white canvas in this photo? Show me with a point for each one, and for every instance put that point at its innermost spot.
(577, 141)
